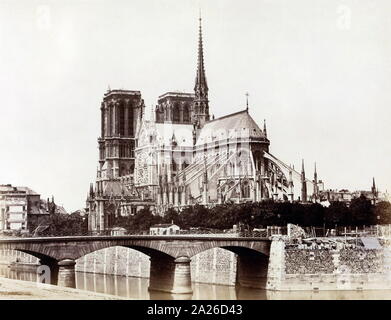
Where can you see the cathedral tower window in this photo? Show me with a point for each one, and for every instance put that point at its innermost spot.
(176, 113)
(186, 114)
(111, 121)
(103, 122)
(130, 121)
(122, 120)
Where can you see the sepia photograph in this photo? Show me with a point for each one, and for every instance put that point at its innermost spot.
(195, 150)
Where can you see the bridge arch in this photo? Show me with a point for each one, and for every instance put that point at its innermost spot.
(149, 248)
(45, 259)
(238, 247)
(252, 264)
(35, 249)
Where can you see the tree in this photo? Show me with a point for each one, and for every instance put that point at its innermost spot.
(171, 216)
(195, 216)
(337, 214)
(382, 212)
(139, 222)
(65, 224)
(361, 211)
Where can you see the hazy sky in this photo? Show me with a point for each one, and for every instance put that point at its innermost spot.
(319, 72)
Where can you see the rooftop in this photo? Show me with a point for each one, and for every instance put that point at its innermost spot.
(163, 225)
(235, 125)
(123, 92)
(177, 94)
(8, 188)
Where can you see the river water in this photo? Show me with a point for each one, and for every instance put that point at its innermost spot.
(137, 288)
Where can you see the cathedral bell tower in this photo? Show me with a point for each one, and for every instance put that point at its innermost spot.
(201, 102)
(121, 114)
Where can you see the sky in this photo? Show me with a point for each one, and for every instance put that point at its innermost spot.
(318, 71)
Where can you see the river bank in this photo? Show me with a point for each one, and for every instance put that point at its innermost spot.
(11, 289)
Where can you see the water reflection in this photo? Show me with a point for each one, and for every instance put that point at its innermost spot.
(137, 288)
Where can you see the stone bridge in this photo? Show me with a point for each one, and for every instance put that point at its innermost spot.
(170, 256)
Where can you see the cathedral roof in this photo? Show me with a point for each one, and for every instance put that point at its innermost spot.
(235, 125)
(182, 133)
(165, 134)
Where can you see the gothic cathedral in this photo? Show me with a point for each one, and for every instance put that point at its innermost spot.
(182, 157)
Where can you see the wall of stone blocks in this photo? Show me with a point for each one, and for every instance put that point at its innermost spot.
(276, 267)
(116, 261)
(216, 265)
(330, 269)
(10, 256)
(325, 261)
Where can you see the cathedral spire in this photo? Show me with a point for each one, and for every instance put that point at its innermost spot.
(303, 184)
(201, 103)
(316, 188)
(201, 78)
(264, 128)
(373, 186)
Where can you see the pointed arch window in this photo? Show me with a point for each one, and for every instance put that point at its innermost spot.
(186, 114)
(122, 120)
(246, 189)
(176, 113)
(131, 121)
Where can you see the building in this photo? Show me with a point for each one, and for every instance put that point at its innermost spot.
(118, 231)
(17, 204)
(183, 156)
(164, 229)
(347, 196)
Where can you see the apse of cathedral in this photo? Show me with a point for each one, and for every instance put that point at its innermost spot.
(182, 157)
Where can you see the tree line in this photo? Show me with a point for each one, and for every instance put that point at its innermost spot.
(221, 217)
(360, 212)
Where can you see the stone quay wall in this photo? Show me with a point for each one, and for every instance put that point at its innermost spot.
(10, 256)
(340, 266)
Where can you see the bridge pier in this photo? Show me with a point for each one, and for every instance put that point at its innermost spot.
(170, 275)
(66, 273)
(252, 270)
